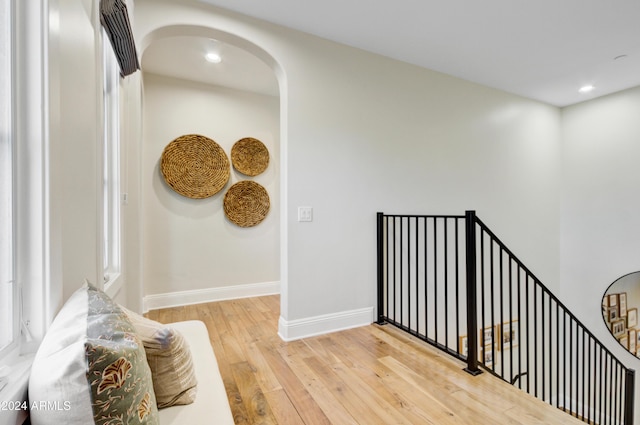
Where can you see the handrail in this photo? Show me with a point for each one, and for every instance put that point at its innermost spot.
(431, 274)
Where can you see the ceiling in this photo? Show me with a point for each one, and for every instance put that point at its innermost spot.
(183, 57)
(544, 49)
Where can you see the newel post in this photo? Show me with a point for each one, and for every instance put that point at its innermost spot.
(472, 311)
(380, 252)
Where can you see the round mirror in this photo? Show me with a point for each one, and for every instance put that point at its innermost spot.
(620, 311)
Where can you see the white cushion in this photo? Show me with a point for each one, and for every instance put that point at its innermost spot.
(211, 406)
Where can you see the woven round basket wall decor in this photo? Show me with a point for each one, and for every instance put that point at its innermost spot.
(250, 156)
(195, 166)
(246, 203)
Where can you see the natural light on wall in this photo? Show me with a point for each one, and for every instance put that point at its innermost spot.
(7, 291)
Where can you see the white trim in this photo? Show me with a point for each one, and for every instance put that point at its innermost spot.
(114, 284)
(16, 390)
(33, 238)
(291, 330)
(199, 296)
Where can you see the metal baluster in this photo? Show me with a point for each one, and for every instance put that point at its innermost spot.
(615, 368)
(501, 342)
(482, 291)
(426, 285)
(557, 355)
(607, 402)
(401, 270)
(409, 304)
(535, 336)
(542, 337)
(550, 350)
(446, 281)
(571, 367)
(583, 375)
(601, 390)
(520, 332)
(457, 312)
(628, 396)
(492, 304)
(394, 269)
(435, 276)
(417, 274)
(511, 365)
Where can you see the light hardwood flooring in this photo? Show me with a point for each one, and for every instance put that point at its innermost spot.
(370, 375)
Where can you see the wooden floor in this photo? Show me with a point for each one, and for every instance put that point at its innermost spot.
(370, 375)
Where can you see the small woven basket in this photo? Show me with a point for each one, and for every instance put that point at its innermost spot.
(246, 203)
(195, 166)
(250, 156)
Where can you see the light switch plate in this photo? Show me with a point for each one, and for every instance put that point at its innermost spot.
(305, 214)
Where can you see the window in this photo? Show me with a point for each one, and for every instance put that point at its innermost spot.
(111, 164)
(8, 293)
(24, 218)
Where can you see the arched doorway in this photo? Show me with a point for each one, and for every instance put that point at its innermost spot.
(190, 251)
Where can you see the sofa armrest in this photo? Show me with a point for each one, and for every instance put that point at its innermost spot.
(211, 404)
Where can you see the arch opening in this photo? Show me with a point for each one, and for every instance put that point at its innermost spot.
(174, 205)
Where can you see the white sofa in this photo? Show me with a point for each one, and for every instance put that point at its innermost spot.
(88, 368)
(211, 405)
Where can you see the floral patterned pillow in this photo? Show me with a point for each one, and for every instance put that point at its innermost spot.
(93, 365)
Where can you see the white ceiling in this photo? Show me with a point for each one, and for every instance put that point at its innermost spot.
(543, 49)
(183, 57)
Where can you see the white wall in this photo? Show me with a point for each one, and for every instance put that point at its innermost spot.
(401, 139)
(75, 105)
(75, 146)
(189, 244)
(131, 291)
(362, 133)
(600, 228)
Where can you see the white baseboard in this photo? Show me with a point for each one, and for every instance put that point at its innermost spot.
(199, 296)
(290, 330)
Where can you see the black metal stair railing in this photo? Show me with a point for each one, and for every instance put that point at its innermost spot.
(449, 281)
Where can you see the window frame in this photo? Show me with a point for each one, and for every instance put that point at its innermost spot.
(8, 178)
(37, 292)
(111, 194)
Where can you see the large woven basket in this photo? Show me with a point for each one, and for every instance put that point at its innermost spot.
(246, 203)
(250, 156)
(195, 166)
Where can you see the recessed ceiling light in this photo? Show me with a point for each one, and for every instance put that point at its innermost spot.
(213, 57)
(586, 89)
